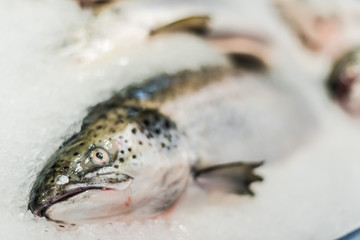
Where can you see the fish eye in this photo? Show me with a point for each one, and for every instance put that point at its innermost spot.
(99, 156)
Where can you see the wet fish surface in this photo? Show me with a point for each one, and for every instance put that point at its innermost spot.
(135, 153)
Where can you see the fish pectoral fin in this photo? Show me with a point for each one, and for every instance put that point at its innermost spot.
(231, 177)
(198, 25)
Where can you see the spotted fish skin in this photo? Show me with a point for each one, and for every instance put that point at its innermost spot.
(129, 134)
(130, 160)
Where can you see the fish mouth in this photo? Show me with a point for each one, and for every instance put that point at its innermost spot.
(41, 211)
(73, 192)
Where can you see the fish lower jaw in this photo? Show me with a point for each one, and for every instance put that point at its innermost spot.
(92, 205)
(41, 212)
(77, 189)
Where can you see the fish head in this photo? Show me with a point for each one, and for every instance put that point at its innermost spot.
(77, 169)
(111, 170)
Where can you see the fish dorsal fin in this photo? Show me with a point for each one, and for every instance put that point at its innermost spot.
(233, 177)
(93, 3)
(247, 62)
(245, 50)
(198, 25)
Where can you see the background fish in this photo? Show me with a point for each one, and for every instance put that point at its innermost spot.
(343, 81)
(118, 27)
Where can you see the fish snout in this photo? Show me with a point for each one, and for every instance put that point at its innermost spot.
(42, 195)
(37, 204)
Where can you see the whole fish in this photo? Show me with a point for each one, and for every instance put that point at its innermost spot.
(135, 153)
(116, 27)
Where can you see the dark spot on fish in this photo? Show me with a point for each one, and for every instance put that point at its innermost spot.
(112, 130)
(163, 145)
(75, 154)
(167, 124)
(129, 149)
(146, 122)
(103, 116)
(121, 159)
(126, 141)
(157, 131)
(116, 166)
(110, 139)
(82, 144)
(122, 151)
(99, 127)
(134, 156)
(120, 137)
(133, 130)
(140, 142)
(95, 135)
